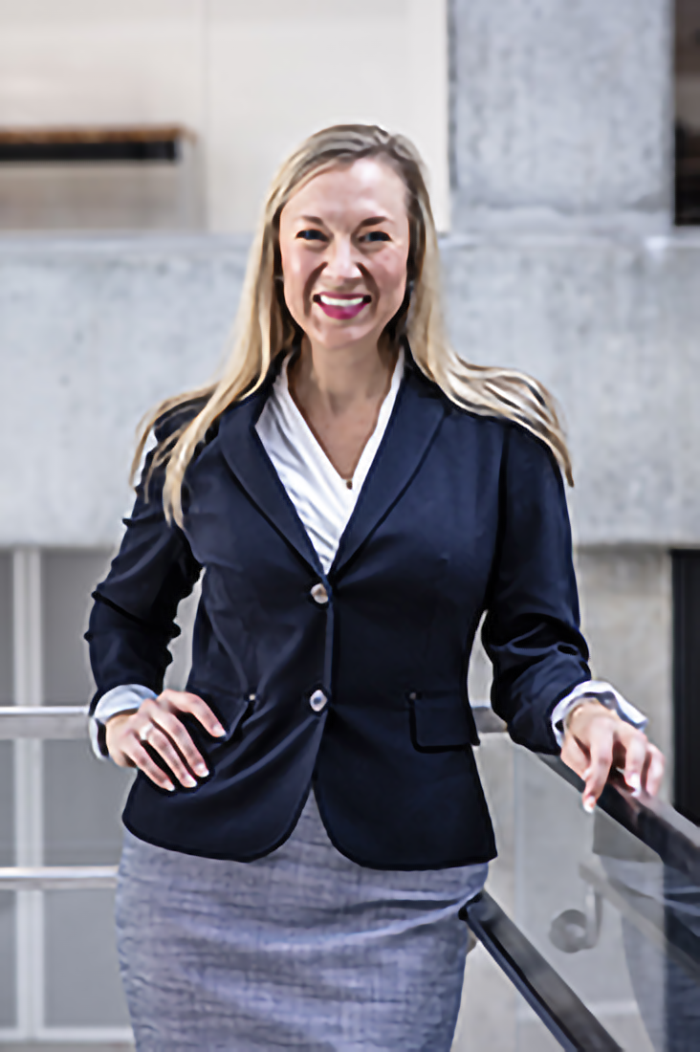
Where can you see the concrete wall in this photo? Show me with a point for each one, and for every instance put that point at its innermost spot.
(561, 114)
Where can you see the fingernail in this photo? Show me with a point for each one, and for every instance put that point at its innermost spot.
(634, 782)
(170, 787)
(219, 730)
(588, 805)
(201, 770)
(188, 781)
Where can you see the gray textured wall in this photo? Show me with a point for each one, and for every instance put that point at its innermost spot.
(561, 113)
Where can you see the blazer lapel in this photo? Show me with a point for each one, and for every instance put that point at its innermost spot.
(417, 415)
(247, 459)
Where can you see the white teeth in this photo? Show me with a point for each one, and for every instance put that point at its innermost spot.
(331, 301)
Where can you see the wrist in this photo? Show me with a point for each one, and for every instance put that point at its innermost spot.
(588, 704)
(112, 723)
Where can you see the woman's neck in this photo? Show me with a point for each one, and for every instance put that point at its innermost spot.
(334, 381)
(339, 393)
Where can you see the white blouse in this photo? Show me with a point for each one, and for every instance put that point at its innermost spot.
(324, 502)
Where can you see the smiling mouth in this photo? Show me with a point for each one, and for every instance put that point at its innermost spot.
(341, 306)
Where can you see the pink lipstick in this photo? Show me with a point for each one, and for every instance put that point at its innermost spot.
(341, 306)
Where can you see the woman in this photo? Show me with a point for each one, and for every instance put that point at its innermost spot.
(308, 819)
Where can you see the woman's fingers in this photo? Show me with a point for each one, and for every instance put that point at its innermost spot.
(636, 749)
(600, 748)
(161, 744)
(607, 741)
(182, 701)
(653, 772)
(158, 723)
(171, 726)
(176, 744)
(140, 757)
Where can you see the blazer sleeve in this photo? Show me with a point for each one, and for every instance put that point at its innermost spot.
(133, 617)
(531, 629)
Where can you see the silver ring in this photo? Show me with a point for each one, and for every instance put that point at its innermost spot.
(145, 733)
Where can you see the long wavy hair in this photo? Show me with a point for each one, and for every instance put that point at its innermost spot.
(264, 327)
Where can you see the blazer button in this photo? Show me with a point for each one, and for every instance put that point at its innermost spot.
(318, 701)
(319, 594)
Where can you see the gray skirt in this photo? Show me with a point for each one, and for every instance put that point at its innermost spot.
(301, 949)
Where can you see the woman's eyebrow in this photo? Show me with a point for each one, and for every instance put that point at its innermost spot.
(371, 221)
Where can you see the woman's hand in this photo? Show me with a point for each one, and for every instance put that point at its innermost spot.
(157, 722)
(596, 740)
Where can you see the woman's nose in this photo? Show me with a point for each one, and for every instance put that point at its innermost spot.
(342, 261)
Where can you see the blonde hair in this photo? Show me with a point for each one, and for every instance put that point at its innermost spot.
(264, 327)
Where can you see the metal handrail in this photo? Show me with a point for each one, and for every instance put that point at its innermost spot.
(560, 1009)
(56, 878)
(55, 722)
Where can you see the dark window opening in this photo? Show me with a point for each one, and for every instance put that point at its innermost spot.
(686, 682)
(687, 112)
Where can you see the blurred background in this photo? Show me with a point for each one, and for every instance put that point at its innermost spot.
(136, 143)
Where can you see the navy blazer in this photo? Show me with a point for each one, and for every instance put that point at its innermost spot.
(362, 696)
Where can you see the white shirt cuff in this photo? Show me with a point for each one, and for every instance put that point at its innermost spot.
(124, 698)
(607, 695)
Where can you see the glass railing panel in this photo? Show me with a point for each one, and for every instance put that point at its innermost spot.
(614, 922)
(493, 1014)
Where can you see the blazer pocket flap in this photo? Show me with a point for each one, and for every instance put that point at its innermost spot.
(440, 721)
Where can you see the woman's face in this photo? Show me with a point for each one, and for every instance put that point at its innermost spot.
(344, 240)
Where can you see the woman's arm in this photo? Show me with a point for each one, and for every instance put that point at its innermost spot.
(133, 619)
(531, 630)
(131, 625)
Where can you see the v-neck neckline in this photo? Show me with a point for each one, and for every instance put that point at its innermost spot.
(374, 439)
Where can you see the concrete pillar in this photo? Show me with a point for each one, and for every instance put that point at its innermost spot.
(561, 114)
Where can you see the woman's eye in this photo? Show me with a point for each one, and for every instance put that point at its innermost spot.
(376, 235)
(311, 235)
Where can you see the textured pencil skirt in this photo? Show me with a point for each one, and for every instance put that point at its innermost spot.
(301, 949)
